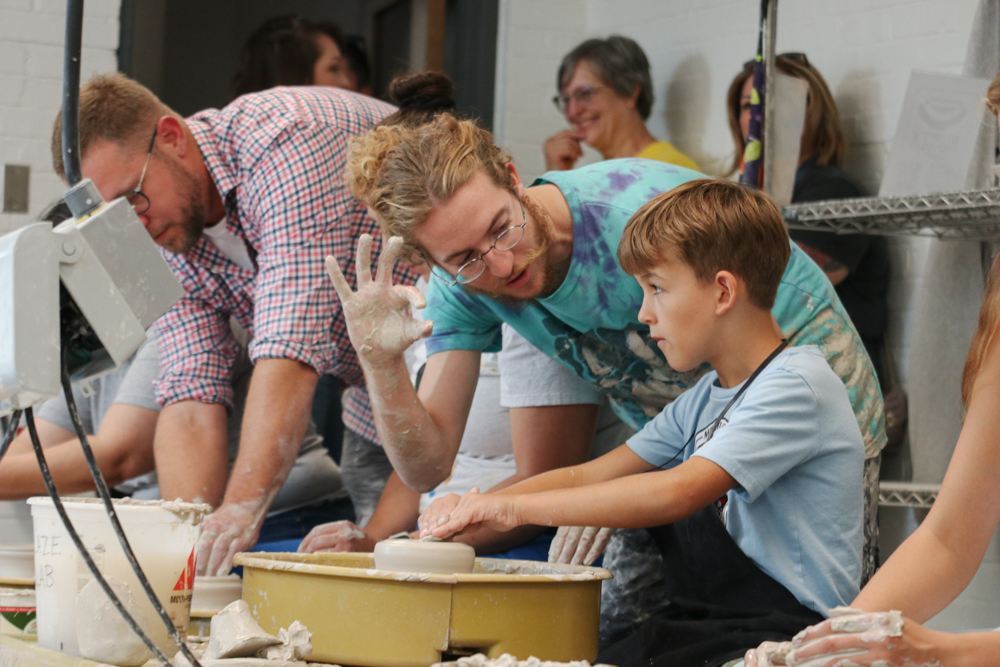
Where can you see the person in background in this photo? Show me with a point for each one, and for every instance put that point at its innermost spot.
(289, 51)
(245, 203)
(857, 264)
(606, 94)
(358, 66)
(936, 563)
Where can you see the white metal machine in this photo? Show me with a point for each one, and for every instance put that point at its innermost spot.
(84, 292)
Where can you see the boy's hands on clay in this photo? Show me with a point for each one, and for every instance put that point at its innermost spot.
(230, 529)
(490, 510)
(866, 639)
(768, 654)
(378, 315)
(336, 536)
(578, 545)
(437, 513)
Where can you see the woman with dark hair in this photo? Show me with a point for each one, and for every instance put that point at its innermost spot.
(289, 51)
(606, 94)
(857, 264)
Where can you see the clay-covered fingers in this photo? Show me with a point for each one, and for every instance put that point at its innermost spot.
(218, 555)
(206, 541)
(387, 260)
(415, 297)
(835, 650)
(579, 545)
(437, 513)
(334, 536)
(415, 329)
(768, 654)
(340, 283)
(363, 261)
(597, 545)
(563, 545)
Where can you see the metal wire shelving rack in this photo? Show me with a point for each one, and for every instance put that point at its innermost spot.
(969, 215)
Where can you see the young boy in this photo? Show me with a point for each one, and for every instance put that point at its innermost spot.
(758, 467)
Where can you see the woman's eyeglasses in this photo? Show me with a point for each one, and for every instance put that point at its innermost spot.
(583, 96)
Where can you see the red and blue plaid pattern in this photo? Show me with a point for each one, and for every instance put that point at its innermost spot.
(278, 159)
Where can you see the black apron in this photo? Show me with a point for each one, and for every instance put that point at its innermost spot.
(720, 603)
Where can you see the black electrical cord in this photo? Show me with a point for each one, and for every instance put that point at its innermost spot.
(71, 165)
(105, 494)
(11, 432)
(51, 487)
(71, 92)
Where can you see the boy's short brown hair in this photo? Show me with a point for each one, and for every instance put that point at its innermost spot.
(712, 226)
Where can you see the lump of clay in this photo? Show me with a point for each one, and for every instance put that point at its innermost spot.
(296, 644)
(102, 633)
(424, 556)
(236, 634)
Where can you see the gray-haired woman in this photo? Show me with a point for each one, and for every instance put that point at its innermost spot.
(606, 94)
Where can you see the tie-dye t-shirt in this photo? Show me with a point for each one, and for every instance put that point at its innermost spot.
(590, 323)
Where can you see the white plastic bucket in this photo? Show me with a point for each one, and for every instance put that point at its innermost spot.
(163, 536)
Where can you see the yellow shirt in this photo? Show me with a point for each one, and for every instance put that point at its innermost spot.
(665, 152)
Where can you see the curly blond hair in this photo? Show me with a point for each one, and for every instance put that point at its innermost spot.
(402, 171)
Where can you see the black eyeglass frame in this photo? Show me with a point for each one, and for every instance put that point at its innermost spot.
(136, 197)
(459, 279)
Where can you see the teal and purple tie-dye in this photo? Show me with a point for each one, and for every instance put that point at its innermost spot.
(590, 325)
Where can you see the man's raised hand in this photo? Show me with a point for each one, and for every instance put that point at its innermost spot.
(378, 315)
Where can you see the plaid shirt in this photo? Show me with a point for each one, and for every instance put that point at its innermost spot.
(277, 159)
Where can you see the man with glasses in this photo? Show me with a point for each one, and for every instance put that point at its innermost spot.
(246, 202)
(453, 197)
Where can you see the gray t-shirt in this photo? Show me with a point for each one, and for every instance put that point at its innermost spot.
(314, 476)
(132, 384)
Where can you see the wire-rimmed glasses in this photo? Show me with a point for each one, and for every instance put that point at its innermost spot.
(135, 196)
(504, 241)
(582, 96)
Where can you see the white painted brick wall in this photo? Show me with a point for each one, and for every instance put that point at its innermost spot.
(31, 40)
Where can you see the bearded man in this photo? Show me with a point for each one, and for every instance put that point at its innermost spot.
(245, 202)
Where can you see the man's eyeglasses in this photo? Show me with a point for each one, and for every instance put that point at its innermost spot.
(474, 268)
(582, 96)
(135, 196)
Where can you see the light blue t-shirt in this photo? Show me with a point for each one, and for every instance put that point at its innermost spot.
(791, 444)
(590, 323)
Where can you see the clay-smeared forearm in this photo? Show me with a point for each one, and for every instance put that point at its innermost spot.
(420, 438)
